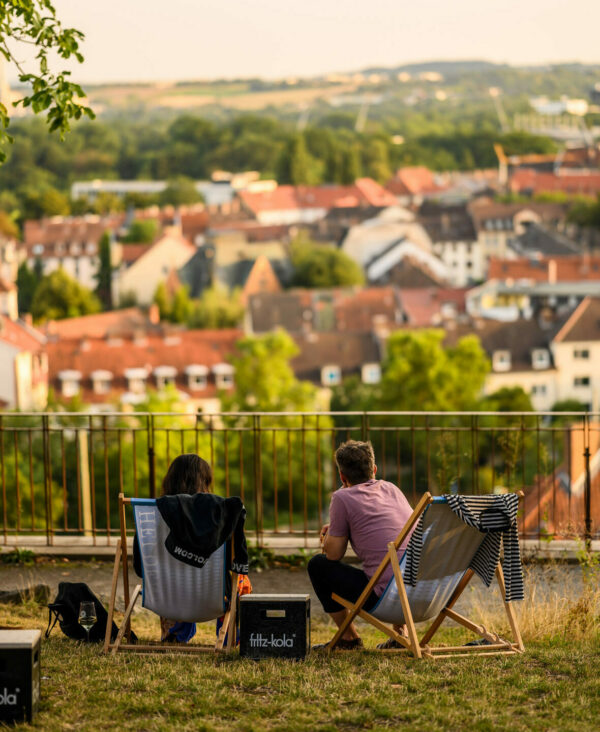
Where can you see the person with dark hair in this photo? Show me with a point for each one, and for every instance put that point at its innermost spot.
(368, 513)
(203, 521)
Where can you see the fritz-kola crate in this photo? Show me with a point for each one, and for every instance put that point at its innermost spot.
(274, 626)
(19, 674)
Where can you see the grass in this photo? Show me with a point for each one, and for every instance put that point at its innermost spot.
(554, 686)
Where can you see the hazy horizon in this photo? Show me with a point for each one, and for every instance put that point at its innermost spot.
(146, 40)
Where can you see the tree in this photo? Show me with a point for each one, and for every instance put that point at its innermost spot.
(507, 399)
(26, 22)
(141, 231)
(181, 305)
(104, 274)
(54, 203)
(60, 296)
(377, 161)
(216, 309)
(350, 165)
(264, 379)
(180, 191)
(294, 163)
(162, 300)
(27, 283)
(8, 228)
(318, 265)
(420, 374)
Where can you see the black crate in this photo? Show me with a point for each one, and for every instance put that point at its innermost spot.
(274, 626)
(19, 674)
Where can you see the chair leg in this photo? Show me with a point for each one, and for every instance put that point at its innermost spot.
(408, 618)
(231, 639)
(113, 594)
(510, 611)
(126, 619)
(433, 628)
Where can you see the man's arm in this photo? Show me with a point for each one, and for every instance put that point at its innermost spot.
(334, 547)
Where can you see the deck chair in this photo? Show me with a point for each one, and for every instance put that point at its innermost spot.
(448, 548)
(170, 587)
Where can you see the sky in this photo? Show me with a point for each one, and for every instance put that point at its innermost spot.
(163, 40)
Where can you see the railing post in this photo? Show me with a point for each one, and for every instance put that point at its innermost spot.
(364, 427)
(151, 456)
(258, 498)
(47, 477)
(587, 500)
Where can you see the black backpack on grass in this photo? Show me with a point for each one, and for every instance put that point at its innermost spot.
(65, 610)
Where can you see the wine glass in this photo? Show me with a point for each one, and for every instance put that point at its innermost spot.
(87, 616)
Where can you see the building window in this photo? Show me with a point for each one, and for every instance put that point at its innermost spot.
(581, 381)
(538, 390)
(136, 380)
(501, 361)
(101, 381)
(70, 382)
(165, 376)
(540, 358)
(223, 375)
(371, 373)
(581, 353)
(196, 376)
(331, 375)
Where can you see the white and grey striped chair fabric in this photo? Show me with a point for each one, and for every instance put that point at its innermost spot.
(449, 546)
(170, 587)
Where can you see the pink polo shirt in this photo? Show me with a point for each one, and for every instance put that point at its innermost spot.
(370, 514)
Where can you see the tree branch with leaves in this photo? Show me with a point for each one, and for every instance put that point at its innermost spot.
(34, 23)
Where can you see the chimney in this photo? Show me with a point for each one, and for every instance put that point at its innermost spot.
(552, 272)
(154, 314)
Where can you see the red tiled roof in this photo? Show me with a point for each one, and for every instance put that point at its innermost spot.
(100, 325)
(423, 306)
(64, 229)
(283, 198)
(569, 268)
(20, 335)
(205, 347)
(583, 324)
(132, 252)
(367, 309)
(411, 181)
(375, 194)
(539, 182)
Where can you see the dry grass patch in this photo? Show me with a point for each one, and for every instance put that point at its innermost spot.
(554, 685)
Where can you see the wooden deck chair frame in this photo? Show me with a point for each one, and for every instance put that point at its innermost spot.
(412, 644)
(119, 644)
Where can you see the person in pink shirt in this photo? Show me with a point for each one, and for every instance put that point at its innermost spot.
(368, 513)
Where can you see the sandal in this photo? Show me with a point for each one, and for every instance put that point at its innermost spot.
(341, 645)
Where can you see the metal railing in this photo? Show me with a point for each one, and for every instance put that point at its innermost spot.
(61, 472)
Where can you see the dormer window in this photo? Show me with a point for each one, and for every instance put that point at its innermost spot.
(371, 373)
(223, 375)
(540, 358)
(331, 375)
(136, 380)
(196, 376)
(70, 382)
(501, 361)
(101, 381)
(165, 376)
